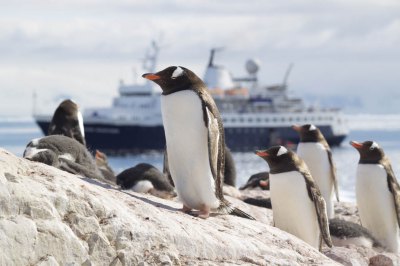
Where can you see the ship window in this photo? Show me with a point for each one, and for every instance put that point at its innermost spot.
(274, 119)
(266, 120)
(250, 120)
(233, 120)
(224, 120)
(258, 119)
(298, 119)
(283, 119)
(290, 119)
(241, 119)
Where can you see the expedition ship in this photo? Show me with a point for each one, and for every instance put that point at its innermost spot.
(254, 116)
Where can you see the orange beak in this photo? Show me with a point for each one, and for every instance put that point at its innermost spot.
(262, 153)
(150, 76)
(297, 128)
(356, 144)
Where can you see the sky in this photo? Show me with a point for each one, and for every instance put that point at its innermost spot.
(346, 53)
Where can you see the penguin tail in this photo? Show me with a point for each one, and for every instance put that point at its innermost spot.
(228, 208)
(240, 213)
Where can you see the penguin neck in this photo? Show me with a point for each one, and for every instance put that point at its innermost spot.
(311, 138)
(372, 160)
(368, 161)
(283, 168)
(176, 89)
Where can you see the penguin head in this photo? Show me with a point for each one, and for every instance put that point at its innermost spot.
(278, 158)
(370, 151)
(67, 109)
(173, 79)
(68, 120)
(308, 133)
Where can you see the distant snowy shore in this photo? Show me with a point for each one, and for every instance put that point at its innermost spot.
(373, 122)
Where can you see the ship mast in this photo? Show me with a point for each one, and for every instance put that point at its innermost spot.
(150, 60)
(286, 77)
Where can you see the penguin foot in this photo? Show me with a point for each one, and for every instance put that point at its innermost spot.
(204, 212)
(186, 209)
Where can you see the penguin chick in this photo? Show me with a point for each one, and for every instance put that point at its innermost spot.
(145, 178)
(64, 153)
(259, 180)
(346, 233)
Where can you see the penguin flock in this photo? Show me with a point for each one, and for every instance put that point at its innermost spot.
(197, 164)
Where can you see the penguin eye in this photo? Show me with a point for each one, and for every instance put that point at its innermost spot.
(371, 148)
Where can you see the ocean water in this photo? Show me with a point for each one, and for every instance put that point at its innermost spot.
(15, 135)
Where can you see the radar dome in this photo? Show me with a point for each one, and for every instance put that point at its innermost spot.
(252, 66)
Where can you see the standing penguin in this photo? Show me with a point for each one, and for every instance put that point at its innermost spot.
(297, 204)
(68, 121)
(378, 194)
(195, 141)
(315, 151)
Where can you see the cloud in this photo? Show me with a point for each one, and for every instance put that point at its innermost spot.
(337, 46)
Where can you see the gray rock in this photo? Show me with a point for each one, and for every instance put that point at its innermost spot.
(380, 260)
(51, 217)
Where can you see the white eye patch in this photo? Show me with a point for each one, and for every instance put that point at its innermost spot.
(35, 142)
(374, 145)
(312, 127)
(178, 72)
(282, 151)
(80, 121)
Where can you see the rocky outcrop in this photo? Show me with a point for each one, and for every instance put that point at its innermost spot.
(51, 217)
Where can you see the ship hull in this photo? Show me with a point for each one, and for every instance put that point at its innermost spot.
(121, 139)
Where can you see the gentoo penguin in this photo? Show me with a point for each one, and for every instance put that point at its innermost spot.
(297, 204)
(378, 194)
(145, 178)
(195, 141)
(104, 167)
(344, 233)
(64, 153)
(258, 180)
(68, 121)
(315, 151)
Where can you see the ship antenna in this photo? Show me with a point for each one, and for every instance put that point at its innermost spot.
(286, 77)
(213, 50)
(150, 60)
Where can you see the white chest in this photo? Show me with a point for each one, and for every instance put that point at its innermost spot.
(316, 158)
(376, 204)
(187, 145)
(292, 208)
